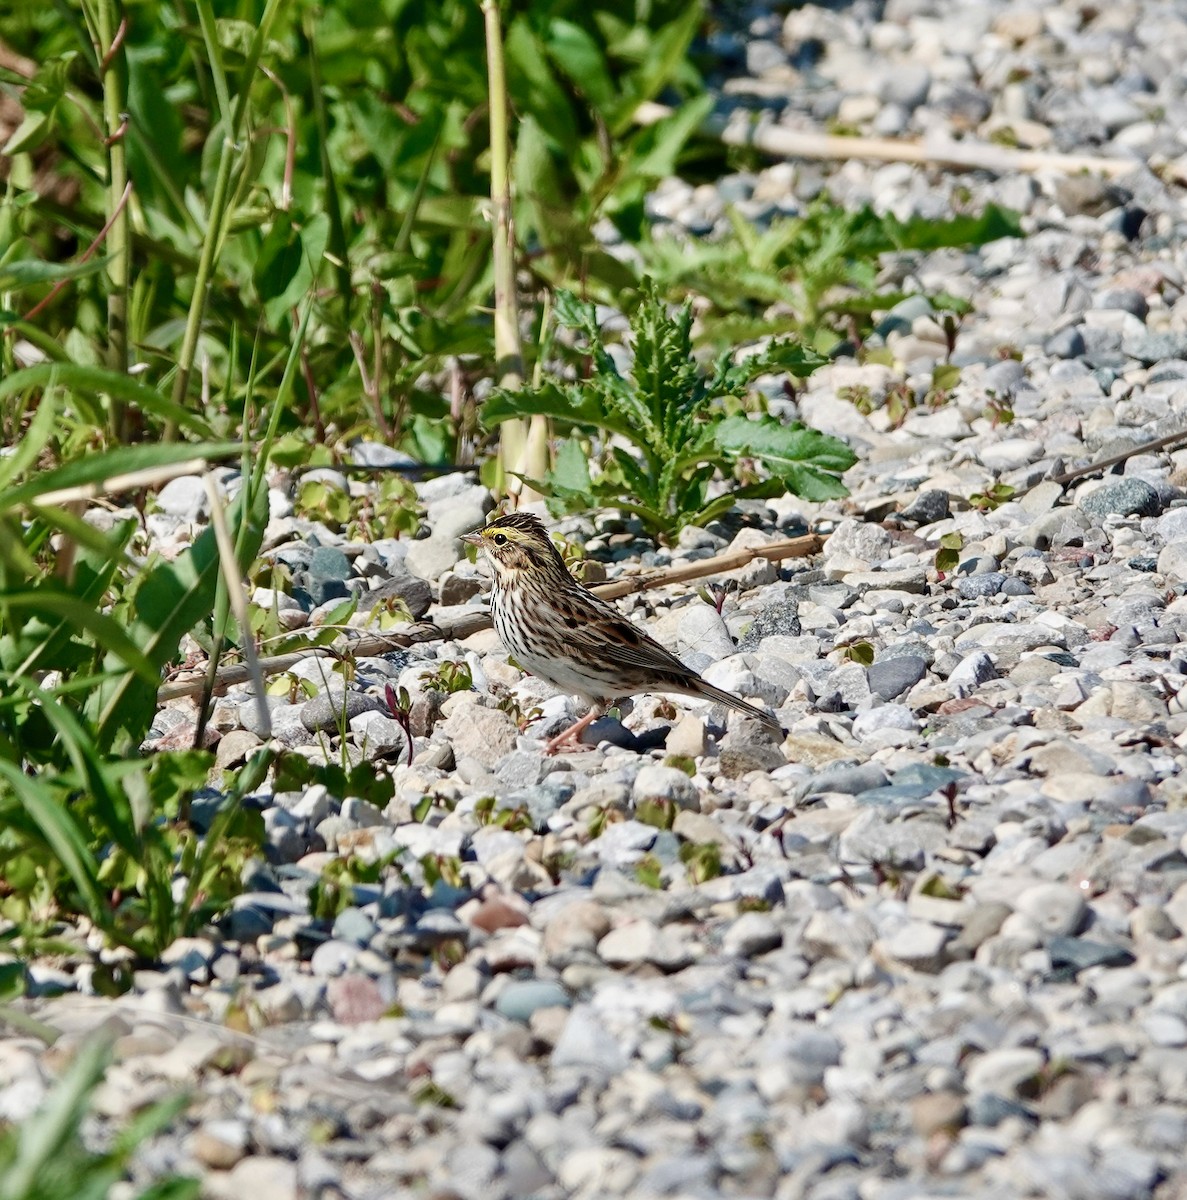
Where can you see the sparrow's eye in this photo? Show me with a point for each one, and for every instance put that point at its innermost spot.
(500, 539)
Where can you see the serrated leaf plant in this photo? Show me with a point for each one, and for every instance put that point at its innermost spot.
(665, 431)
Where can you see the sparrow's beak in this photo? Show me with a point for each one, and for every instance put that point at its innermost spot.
(472, 539)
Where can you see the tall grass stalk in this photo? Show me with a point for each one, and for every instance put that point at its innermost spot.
(523, 447)
(112, 27)
(232, 121)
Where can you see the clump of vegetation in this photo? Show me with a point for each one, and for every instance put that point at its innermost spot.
(814, 275)
(685, 424)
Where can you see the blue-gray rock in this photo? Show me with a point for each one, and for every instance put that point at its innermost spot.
(1013, 586)
(1075, 954)
(542, 801)
(333, 710)
(928, 507)
(1127, 498)
(971, 672)
(353, 925)
(519, 769)
(248, 922)
(891, 677)
(415, 592)
(328, 562)
(782, 618)
(848, 779)
(1151, 348)
(522, 997)
(1067, 343)
(979, 587)
(924, 775)
(988, 1110)
(1173, 369)
(1126, 299)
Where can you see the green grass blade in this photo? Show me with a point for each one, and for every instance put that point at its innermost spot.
(95, 381)
(96, 469)
(62, 834)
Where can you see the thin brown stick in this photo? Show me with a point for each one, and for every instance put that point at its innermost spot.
(1105, 463)
(799, 547)
(87, 253)
(463, 625)
(934, 151)
(131, 481)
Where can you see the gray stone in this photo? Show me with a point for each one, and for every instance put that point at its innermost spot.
(1009, 1072)
(847, 778)
(858, 541)
(353, 925)
(1127, 497)
(1155, 347)
(520, 998)
(403, 586)
(702, 631)
(484, 734)
(891, 677)
(884, 717)
(586, 1043)
(918, 945)
(1078, 954)
(971, 672)
(1056, 908)
(978, 587)
(665, 783)
(1067, 343)
(752, 933)
(927, 508)
(184, 498)
(332, 711)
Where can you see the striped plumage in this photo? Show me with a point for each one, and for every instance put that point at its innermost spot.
(558, 630)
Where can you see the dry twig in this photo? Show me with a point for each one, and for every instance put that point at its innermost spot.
(936, 151)
(450, 627)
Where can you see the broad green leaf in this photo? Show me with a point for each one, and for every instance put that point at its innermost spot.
(29, 134)
(580, 406)
(666, 50)
(654, 152)
(107, 633)
(534, 86)
(46, 807)
(581, 58)
(784, 448)
(97, 381)
(27, 272)
(290, 264)
(570, 473)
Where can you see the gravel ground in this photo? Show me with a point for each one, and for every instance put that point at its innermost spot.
(946, 954)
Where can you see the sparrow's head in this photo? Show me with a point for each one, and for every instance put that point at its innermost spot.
(515, 544)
